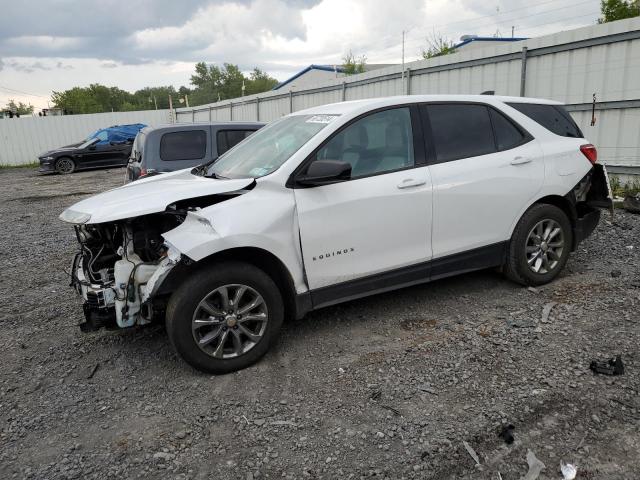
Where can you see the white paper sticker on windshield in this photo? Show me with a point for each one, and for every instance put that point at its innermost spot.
(321, 118)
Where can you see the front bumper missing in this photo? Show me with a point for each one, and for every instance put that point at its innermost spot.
(101, 302)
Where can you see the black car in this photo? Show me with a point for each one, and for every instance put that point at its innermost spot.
(166, 148)
(109, 147)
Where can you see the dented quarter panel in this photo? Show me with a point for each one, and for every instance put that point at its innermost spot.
(564, 156)
(263, 218)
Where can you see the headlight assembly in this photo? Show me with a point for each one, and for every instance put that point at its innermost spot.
(71, 216)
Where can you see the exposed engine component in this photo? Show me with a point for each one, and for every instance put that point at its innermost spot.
(117, 263)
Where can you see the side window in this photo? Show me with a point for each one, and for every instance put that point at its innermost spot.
(507, 134)
(380, 142)
(183, 145)
(227, 139)
(460, 131)
(552, 117)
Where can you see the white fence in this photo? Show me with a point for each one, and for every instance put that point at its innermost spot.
(568, 66)
(23, 139)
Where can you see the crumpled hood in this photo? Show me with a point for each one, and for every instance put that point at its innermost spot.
(150, 195)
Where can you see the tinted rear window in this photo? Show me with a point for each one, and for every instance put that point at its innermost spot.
(507, 134)
(461, 131)
(183, 145)
(552, 117)
(228, 139)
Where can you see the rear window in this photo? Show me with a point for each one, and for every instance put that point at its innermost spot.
(552, 117)
(461, 131)
(183, 145)
(228, 139)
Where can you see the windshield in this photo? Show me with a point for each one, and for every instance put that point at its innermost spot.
(88, 142)
(268, 148)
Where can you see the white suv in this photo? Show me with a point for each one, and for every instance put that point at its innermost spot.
(334, 203)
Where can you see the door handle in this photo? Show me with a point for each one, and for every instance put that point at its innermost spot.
(410, 182)
(521, 160)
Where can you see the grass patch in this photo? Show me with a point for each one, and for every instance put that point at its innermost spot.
(622, 189)
(24, 165)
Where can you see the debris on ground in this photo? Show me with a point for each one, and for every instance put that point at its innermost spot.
(631, 203)
(93, 371)
(506, 433)
(569, 471)
(546, 311)
(535, 466)
(539, 383)
(471, 452)
(427, 389)
(613, 366)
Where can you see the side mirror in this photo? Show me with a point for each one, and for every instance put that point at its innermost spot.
(324, 172)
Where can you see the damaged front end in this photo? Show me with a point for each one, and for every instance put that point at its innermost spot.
(120, 267)
(588, 197)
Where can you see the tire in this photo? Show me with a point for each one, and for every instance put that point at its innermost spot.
(189, 320)
(65, 165)
(528, 248)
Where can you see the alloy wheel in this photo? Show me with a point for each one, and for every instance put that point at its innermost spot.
(64, 165)
(229, 321)
(545, 245)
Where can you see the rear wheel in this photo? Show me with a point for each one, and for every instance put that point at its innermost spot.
(65, 165)
(540, 245)
(225, 318)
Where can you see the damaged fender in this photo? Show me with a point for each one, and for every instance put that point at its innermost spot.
(264, 218)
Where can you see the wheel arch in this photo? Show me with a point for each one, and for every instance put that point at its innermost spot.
(260, 258)
(564, 203)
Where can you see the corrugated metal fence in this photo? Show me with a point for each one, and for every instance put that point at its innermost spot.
(23, 139)
(568, 66)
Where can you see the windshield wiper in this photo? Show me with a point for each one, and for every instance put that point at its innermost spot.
(218, 177)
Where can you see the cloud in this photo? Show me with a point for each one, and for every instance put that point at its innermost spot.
(146, 30)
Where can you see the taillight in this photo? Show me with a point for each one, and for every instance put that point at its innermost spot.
(590, 152)
(143, 172)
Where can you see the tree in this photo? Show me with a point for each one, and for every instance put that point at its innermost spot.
(352, 65)
(19, 108)
(437, 45)
(96, 98)
(259, 81)
(212, 83)
(618, 9)
(148, 97)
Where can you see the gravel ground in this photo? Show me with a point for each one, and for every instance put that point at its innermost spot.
(387, 387)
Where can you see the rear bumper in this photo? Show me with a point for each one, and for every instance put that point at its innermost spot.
(589, 198)
(586, 224)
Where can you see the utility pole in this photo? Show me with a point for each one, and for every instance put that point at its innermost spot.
(512, 30)
(171, 109)
(155, 102)
(186, 99)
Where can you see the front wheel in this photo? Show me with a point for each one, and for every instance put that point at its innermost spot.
(540, 245)
(225, 318)
(65, 165)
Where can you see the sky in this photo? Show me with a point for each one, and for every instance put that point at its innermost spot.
(53, 45)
